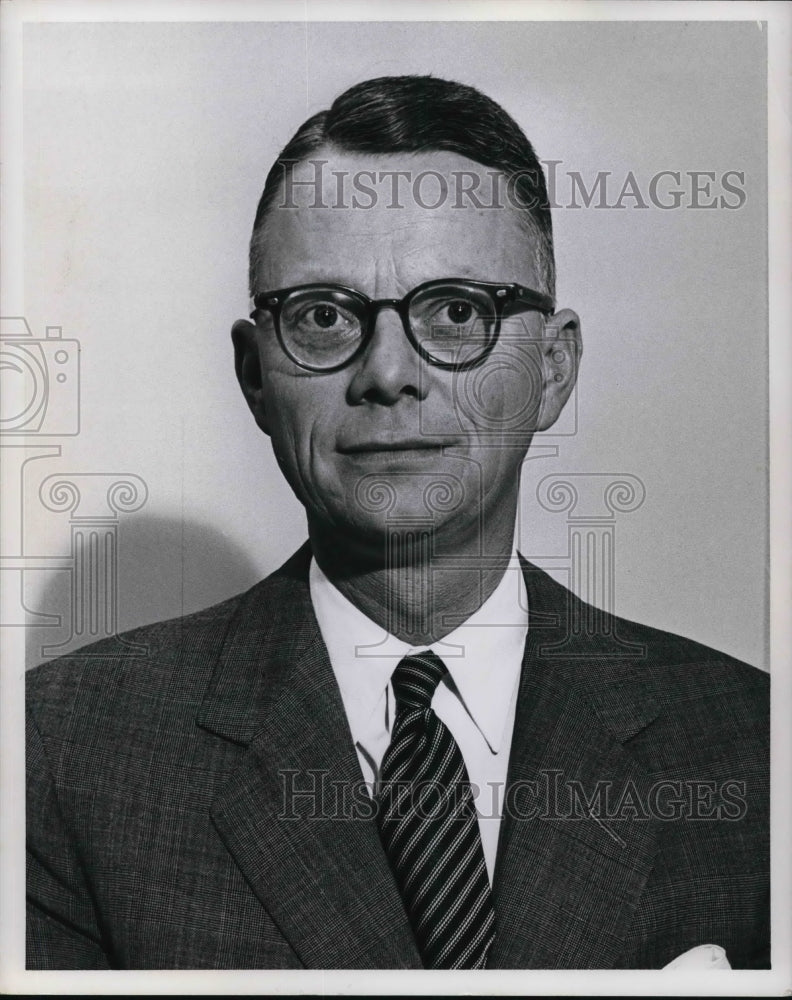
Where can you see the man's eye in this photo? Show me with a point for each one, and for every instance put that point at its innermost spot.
(458, 312)
(325, 316)
(454, 312)
(322, 316)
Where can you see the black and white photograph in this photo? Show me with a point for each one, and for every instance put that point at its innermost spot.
(395, 456)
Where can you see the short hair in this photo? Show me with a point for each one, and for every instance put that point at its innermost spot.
(420, 114)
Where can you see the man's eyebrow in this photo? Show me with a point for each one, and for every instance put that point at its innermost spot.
(303, 276)
(466, 272)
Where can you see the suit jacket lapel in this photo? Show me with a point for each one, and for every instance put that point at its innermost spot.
(567, 884)
(314, 860)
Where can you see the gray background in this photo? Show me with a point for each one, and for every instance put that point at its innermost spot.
(146, 146)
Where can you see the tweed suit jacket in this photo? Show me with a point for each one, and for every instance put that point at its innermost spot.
(161, 834)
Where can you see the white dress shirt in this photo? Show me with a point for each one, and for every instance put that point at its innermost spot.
(476, 700)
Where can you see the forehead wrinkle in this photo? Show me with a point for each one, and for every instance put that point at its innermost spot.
(412, 262)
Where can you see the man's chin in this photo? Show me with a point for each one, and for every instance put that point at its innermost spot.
(388, 496)
(398, 535)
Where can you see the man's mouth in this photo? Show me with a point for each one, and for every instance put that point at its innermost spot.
(393, 444)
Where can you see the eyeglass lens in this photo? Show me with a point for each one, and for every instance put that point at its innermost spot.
(323, 327)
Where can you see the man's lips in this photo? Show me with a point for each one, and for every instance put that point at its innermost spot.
(392, 444)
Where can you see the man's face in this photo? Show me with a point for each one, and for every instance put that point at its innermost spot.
(390, 436)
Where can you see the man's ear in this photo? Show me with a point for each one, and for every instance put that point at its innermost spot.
(247, 364)
(561, 349)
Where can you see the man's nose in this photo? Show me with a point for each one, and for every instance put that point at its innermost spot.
(390, 367)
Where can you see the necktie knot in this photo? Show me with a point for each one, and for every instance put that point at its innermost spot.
(415, 679)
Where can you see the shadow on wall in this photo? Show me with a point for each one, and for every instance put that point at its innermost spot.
(152, 568)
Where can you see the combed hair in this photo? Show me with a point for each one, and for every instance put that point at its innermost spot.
(421, 114)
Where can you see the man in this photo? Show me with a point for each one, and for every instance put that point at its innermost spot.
(407, 747)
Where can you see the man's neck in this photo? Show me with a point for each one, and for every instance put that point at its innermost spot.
(413, 585)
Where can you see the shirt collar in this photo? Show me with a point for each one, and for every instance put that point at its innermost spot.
(483, 654)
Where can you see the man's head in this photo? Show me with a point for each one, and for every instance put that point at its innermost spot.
(421, 407)
(422, 114)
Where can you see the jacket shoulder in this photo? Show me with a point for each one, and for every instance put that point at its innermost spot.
(165, 666)
(172, 658)
(137, 666)
(685, 706)
(602, 647)
(677, 669)
(638, 676)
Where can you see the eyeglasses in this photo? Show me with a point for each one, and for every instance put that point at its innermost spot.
(452, 323)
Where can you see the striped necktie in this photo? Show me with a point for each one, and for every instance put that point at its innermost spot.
(429, 829)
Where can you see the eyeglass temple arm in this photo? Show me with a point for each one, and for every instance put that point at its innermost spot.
(527, 296)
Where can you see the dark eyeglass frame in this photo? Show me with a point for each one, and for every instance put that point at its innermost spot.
(501, 294)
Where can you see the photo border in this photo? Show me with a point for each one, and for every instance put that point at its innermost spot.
(778, 17)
